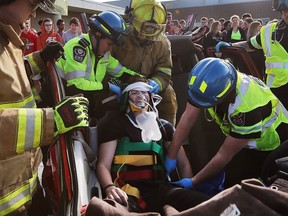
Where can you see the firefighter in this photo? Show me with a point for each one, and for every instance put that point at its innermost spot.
(273, 40)
(246, 110)
(148, 51)
(88, 59)
(25, 128)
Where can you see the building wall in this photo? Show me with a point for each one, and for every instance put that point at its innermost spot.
(257, 9)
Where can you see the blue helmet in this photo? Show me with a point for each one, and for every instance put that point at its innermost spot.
(210, 81)
(110, 24)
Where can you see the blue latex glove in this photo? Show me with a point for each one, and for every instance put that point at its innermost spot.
(170, 165)
(155, 86)
(185, 183)
(213, 185)
(114, 88)
(221, 44)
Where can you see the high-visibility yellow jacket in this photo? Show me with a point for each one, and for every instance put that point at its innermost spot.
(82, 69)
(252, 94)
(276, 57)
(23, 127)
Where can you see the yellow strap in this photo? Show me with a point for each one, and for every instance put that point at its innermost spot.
(132, 191)
(136, 160)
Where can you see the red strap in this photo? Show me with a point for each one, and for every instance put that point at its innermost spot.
(140, 175)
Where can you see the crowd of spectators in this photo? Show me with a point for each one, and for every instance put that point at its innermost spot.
(38, 40)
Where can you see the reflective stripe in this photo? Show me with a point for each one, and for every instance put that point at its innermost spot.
(243, 88)
(164, 70)
(18, 197)
(270, 80)
(29, 129)
(33, 63)
(89, 66)
(267, 40)
(28, 102)
(276, 65)
(116, 70)
(74, 75)
(106, 56)
(244, 130)
(254, 43)
(160, 84)
(252, 144)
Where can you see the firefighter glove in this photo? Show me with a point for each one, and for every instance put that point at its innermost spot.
(71, 113)
(155, 86)
(221, 44)
(184, 183)
(170, 165)
(53, 50)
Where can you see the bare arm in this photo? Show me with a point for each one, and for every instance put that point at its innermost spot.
(227, 151)
(243, 44)
(105, 159)
(183, 164)
(183, 128)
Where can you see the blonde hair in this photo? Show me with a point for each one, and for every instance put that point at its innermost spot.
(234, 16)
(214, 28)
(253, 29)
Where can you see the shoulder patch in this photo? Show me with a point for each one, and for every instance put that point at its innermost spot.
(79, 53)
(238, 119)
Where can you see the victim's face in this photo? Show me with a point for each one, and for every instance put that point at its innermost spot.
(139, 98)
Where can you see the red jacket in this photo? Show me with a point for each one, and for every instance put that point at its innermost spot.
(45, 38)
(30, 40)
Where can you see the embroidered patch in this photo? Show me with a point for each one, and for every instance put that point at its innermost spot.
(238, 119)
(79, 53)
(258, 81)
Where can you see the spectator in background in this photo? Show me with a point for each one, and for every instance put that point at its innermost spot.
(241, 23)
(253, 29)
(227, 27)
(210, 21)
(61, 26)
(222, 21)
(246, 15)
(257, 55)
(246, 24)
(40, 24)
(182, 23)
(235, 34)
(198, 34)
(213, 36)
(174, 28)
(169, 19)
(48, 34)
(73, 31)
(261, 21)
(29, 38)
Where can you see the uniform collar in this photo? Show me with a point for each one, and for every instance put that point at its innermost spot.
(10, 30)
(281, 25)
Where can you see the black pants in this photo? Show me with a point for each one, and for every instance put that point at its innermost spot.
(157, 194)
